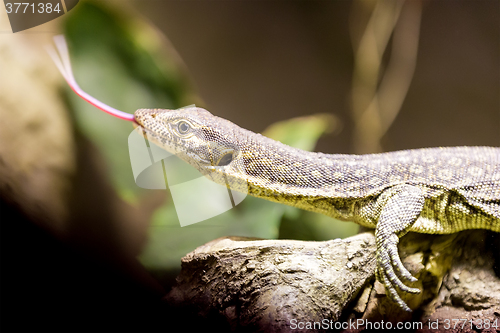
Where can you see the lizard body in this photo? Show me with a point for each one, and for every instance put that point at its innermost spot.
(431, 190)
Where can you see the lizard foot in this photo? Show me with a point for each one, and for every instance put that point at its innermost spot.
(390, 270)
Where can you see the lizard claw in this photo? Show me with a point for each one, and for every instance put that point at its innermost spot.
(389, 271)
(391, 291)
(398, 265)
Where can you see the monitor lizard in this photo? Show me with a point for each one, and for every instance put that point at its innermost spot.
(429, 190)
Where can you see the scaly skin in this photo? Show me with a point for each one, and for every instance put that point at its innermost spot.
(431, 190)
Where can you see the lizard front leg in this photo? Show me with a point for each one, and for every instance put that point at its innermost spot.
(400, 207)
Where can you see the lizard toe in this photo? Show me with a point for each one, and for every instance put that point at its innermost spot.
(390, 274)
(398, 265)
(392, 293)
(405, 288)
(395, 281)
(386, 274)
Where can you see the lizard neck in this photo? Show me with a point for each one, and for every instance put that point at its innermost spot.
(273, 169)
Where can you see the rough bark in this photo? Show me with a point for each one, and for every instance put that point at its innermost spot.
(273, 285)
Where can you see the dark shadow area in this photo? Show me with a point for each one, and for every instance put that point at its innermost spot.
(49, 286)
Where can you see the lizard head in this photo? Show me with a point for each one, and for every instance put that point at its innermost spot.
(195, 135)
(222, 151)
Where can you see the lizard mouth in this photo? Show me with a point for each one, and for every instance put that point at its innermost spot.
(141, 117)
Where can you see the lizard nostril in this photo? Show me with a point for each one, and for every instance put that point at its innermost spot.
(153, 115)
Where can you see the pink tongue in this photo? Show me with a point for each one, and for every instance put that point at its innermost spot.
(62, 62)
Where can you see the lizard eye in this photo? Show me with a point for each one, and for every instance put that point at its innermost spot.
(184, 127)
(225, 160)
